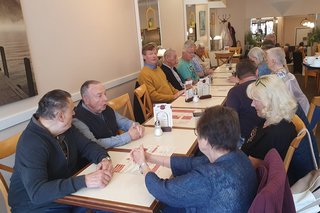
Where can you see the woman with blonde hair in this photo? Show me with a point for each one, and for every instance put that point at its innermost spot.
(258, 56)
(276, 60)
(273, 102)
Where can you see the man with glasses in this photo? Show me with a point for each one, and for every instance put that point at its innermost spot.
(185, 67)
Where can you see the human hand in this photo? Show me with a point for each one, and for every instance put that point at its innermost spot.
(135, 132)
(98, 179)
(209, 71)
(178, 94)
(138, 155)
(105, 164)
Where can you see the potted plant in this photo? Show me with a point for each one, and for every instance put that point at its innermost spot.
(314, 38)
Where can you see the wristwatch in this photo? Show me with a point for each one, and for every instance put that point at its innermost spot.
(106, 158)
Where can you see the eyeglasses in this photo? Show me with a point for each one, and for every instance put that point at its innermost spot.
(258, 81)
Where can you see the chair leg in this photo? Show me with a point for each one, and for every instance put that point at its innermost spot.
(305, 78)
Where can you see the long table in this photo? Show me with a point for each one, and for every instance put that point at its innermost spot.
(127, 191)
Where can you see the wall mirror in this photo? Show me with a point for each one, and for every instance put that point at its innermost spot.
(197, 23)
(149, 21)
(288, 29)
(200, 23)
(17, 81)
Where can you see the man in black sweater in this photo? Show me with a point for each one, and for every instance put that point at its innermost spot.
(47, 158)
(168, 66)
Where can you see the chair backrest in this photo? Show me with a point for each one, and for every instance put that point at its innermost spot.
(122, 105)
(236, 50)
(223, 58)
(301, 132)
(274, 194)
(314, 113)
(144, 100)
(8, 147)
(4, 191)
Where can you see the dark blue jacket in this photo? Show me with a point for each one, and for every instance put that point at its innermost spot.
(227, 185)
(42, 173)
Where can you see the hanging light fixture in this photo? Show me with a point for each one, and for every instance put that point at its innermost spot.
(307, 23)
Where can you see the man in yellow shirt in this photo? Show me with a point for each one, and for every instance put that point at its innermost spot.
(160, 90)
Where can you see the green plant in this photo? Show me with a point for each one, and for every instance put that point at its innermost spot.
(249, 40)
(314, 36)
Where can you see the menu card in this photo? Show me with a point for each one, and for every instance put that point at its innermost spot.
(203, 87)
(163, 114)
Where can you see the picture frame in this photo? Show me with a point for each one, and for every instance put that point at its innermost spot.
(202, 23)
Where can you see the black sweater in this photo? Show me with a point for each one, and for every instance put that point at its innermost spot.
(41, 171)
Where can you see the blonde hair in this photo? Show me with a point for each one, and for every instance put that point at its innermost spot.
(278, 55)
(258, 53)
(278, 102)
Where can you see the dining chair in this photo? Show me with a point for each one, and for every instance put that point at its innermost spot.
(4, 191)
(144, 101)
(274, 194)
(223, 58)
(309, 72)
(8, 148)
(122, 105)
(314, 113)
(235, 50)
(301, 132)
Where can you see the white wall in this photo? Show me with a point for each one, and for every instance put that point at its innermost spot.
(76, 40)
(73, 41)
(172, 24)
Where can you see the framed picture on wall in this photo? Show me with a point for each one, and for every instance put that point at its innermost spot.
(16, 76)
(202, 23)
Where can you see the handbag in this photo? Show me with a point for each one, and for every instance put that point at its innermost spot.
(306, 191)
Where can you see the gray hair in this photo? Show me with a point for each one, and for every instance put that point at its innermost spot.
(51, 102)
(187, 44)
(85, 86)
(278, 55)
(258, 53)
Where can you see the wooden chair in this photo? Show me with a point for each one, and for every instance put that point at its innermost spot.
(235, 50)
(301, 130)
(122, 105)
(8, 147)
(222, 58)
(144, 101)
(314, 113)
(309, 72)
(4, 191)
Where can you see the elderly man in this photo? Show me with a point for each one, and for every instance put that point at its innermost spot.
(202, 68)
(47, 158)
(99, 122)
(168, 67)
(237, 98)
(153, 77)
(185, 67)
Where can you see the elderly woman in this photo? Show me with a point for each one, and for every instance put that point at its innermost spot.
(258, 56)
(273, 102)
(223, 180)
(277, 63)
